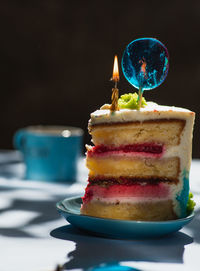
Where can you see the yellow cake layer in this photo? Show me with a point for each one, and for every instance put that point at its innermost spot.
(133, 167)
(149, 211)
(167, 132)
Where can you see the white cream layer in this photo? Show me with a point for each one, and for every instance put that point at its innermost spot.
(150, 112)
(128, 200)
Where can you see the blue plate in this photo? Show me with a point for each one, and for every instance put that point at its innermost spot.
(115, 228)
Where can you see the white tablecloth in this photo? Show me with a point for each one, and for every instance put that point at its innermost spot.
(34, 237)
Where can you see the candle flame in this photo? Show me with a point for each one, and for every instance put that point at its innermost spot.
(115, 76)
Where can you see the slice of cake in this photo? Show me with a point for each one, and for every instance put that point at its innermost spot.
(139, 164)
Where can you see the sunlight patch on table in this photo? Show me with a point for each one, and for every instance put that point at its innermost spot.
(16, 218)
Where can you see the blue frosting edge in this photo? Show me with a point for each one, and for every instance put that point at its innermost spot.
(183, 196)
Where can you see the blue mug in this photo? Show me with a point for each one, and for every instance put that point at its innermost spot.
(50, 153)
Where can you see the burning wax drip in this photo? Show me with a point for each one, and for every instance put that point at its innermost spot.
(145, 64)
(115, 91)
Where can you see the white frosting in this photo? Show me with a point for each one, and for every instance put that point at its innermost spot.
(150, 112)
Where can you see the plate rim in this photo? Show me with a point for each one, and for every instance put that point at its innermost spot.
(179, 220)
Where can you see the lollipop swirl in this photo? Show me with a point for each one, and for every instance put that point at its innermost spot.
(145, 63)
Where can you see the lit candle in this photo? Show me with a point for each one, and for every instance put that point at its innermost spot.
(115, 91)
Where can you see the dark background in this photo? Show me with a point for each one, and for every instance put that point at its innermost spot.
(56, 58)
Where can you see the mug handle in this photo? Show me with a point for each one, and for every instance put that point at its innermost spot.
(18, 139)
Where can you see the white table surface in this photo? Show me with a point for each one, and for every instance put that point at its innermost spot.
(34, 237)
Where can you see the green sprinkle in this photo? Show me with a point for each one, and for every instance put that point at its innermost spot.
(130, 101)
(190, 204)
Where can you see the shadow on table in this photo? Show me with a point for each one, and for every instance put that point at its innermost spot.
(93, 251)
(36, 204)
(44, 209)
(26, 208)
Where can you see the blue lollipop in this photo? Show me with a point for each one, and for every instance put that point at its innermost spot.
(145, 64)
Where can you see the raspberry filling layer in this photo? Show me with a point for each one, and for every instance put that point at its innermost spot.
(159, 190)
(145, 148)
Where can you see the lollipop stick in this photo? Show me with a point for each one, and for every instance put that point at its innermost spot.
(140, 97)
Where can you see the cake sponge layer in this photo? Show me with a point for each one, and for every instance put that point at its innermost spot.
(149, 211)
(134, 167)
(166, 132)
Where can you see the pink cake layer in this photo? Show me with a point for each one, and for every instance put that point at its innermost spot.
(146, 149)
(144, 190)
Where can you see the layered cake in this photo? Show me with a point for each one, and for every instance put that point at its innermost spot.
(139, 164)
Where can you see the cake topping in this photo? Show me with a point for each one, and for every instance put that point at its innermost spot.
(190, 204)
(130, 101)
(145, 64)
